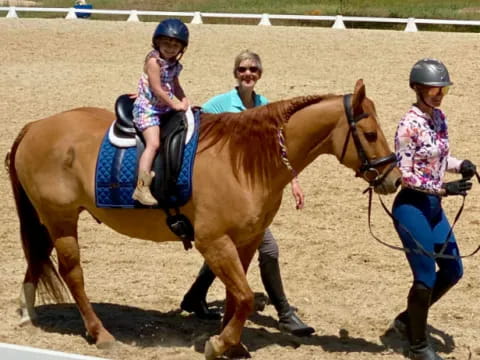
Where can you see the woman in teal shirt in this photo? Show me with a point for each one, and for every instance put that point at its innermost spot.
(247, 71)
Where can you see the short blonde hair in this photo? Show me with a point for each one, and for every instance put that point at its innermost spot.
(247, 55)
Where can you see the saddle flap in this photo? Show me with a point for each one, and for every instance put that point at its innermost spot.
(168, 163)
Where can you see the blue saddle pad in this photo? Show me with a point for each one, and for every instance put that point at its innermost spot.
(115, 175)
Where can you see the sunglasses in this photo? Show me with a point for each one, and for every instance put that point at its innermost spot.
(436, 91)
(252, 69)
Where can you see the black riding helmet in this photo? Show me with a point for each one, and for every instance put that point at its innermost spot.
(171, 28)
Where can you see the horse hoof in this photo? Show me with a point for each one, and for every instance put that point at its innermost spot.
(260, 301)
(25, 321)
(105, 345)
(238, 351)
(26, 318)
(105, 342)
(212, 348)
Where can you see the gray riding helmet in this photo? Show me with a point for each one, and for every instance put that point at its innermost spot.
(430, 72)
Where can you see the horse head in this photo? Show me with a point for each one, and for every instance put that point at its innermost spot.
(365, 148)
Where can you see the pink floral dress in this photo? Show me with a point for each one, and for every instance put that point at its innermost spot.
(147, 109)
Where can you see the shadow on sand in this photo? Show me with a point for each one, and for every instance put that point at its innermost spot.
(440, 341)
(150, 328)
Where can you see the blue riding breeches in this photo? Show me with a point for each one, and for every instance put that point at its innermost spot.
(420, 217)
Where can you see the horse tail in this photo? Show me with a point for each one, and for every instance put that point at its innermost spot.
(36, 241)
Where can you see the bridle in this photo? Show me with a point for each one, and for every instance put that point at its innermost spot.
(368, 168)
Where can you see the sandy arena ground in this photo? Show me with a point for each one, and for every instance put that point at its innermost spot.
(345, 284)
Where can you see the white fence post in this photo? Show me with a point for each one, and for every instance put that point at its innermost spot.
(411, 26)
(265, 20)
(133, 16)
(12, 14)
(338, 24)
(197, 18)
(71, 14)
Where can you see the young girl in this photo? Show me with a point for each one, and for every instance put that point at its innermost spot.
(157, 87)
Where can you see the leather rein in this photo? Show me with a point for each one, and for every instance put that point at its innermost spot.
(420, 248)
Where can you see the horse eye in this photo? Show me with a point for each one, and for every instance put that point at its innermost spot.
(371, 136)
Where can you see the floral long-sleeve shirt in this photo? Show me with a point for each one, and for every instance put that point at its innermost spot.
(423, 152)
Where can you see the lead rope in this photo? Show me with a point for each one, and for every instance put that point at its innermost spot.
(420, 249)
(283, 152)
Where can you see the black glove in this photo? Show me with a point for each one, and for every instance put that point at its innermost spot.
(458, 187)
(467, 169)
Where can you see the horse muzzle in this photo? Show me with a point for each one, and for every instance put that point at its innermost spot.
(388, 182)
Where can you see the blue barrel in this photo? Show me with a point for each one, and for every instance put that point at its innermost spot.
(83, 15)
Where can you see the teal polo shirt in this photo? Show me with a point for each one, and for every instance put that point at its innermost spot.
(230, 102)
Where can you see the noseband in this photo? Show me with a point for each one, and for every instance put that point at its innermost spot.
(367, 167)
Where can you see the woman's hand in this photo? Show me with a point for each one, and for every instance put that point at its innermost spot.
(458, 187)
(467, 169)
(298, 195)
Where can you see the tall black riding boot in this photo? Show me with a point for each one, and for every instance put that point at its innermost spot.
(272, 281)
(441, 287)
(418, 303)
(194, 300)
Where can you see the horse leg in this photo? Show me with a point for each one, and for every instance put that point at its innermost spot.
(64, 235)
(230, 265)
(27, 301)
(28, 293)
(239, 351)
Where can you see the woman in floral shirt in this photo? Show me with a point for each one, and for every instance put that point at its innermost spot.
(423, 153)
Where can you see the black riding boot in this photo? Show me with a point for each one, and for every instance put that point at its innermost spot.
(441, 287)
(272, 281)
(418, 304)
(194, 300)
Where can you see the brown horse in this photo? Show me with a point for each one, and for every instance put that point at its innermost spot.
(239, 177)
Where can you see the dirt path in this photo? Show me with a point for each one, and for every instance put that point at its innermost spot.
(345, 284)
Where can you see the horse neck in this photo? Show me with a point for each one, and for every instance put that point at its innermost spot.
(308, 133)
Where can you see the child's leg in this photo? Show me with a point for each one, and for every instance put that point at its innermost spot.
(152, 143)
(145, 175)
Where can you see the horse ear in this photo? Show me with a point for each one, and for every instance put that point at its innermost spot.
(358, 94)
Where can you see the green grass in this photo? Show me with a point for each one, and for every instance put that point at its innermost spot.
(430, 9)
(445, 9)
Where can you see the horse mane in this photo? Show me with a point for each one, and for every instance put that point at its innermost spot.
(252, 135)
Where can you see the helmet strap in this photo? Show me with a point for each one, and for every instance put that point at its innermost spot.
(180, 54)
(422, 99)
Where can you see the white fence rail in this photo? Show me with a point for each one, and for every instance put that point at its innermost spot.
(338, 20)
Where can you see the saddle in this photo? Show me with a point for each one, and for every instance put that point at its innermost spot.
(168, 163)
